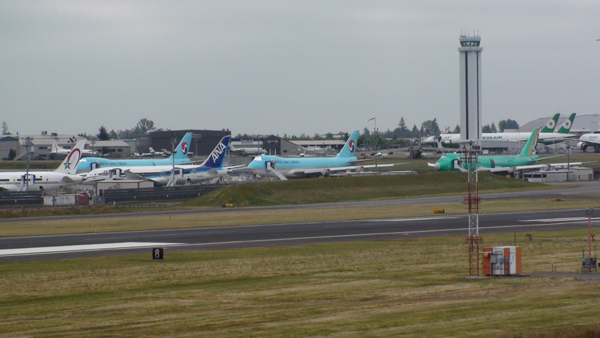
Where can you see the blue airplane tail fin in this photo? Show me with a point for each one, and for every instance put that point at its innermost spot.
(350, 147)
(181, 152)
(531, 143)
(215, 159)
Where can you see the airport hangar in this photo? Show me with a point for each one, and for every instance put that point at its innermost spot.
(582, 124)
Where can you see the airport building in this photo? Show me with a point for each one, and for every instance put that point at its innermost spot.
(40, 146)
(581, 125)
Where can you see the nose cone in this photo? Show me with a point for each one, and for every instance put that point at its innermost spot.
(437, 166)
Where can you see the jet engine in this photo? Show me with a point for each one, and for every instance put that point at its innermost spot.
(582, 145)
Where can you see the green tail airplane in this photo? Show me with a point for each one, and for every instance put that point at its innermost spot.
(527, 159)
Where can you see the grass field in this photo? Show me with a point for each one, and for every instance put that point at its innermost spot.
(408, 288)
(343, 189)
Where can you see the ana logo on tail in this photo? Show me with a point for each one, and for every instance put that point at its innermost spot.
(218, 151)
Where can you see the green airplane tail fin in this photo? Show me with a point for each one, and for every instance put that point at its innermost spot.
(565, 128)
(551, 124)
(531, 143)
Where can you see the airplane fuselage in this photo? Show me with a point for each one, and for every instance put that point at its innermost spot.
(90, 163)
(36, 180)
(160, 175)
(449, 161)
(287, 166)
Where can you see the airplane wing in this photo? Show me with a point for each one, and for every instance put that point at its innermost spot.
(9, 187)
(235, 167)
(325, 171)
(66, 179)
(548, 166)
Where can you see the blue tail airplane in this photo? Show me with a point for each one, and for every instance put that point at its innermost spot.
(211, 168)
(285, 168)
(90, 163)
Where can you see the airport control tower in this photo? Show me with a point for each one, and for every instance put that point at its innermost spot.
(470, 87)
(470, 134)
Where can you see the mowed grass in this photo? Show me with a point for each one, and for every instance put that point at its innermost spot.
(407, 287)
(342, 189)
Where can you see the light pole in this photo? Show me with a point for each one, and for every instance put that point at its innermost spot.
(173, 136)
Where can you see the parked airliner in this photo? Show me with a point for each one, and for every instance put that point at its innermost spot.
(91, 163)
(35, 180)
(211, 168)
(527, 159)
(546, 135)
(285, 168)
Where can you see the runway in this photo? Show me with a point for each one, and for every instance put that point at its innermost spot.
(119, 243)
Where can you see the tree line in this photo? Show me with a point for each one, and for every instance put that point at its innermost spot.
(428, 128)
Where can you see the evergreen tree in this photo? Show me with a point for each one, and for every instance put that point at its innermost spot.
(430, 127)
(456, 129)
(5, 128)
(103, 134)
(493, 128)
(12, 154)
(403, 130)
(507, 124)
(415, 131)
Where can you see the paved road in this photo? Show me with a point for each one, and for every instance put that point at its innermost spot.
(86, 245)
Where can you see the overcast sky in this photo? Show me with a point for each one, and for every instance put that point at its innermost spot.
(288, 67)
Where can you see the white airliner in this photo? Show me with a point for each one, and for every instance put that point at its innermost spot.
(162, 175)
(62, 177)
(285, 168)
(587, 140)
(247, 151)
(56, 149)
(180, 156)
(546, 136)
(154, 153)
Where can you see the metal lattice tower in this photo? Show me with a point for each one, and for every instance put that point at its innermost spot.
(470, 159)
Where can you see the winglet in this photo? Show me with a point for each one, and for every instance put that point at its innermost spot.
(565, 128)
(215, 159)
(69, 164)
(531, 143)
(551, 124)
(350, 146)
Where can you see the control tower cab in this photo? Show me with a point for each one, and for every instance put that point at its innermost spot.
(470, 88)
